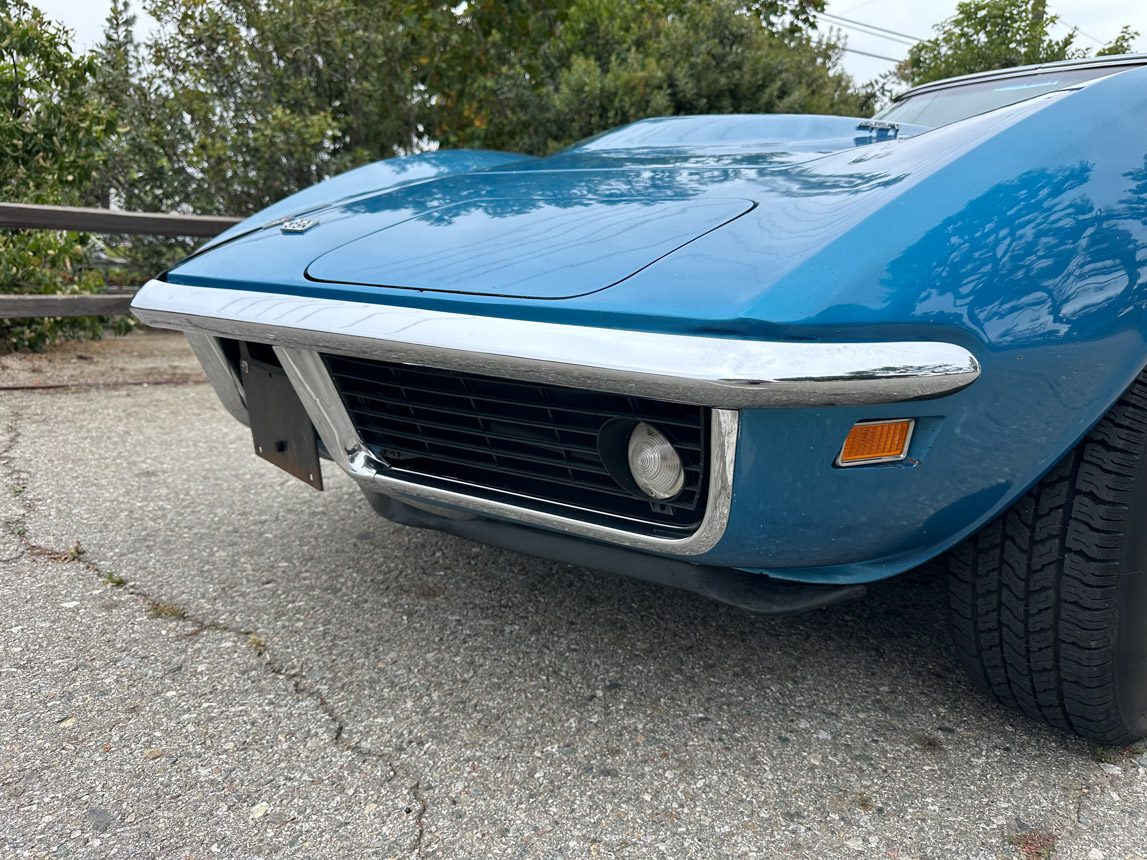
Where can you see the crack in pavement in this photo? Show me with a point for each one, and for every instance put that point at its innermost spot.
(14, 484)
(1093, 784)
(419, 819)
(111, 383)
(162, 610)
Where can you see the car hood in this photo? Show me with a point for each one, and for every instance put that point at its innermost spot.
(585, 219)
(707, 238)
(523, 246)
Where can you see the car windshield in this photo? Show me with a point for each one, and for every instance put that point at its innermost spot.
(942, 106)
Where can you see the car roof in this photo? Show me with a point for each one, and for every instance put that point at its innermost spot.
(1116, 61)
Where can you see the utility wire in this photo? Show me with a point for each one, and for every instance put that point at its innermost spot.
(874, 34)
(876, 56)
(1081, 32)
(841, 18)
(871, 30)
(859, 6)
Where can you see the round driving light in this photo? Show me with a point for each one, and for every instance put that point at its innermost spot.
(654, 464)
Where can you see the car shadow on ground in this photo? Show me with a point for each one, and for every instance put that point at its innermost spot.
(886, 655)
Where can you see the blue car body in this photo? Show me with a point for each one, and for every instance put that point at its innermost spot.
(1018, 236)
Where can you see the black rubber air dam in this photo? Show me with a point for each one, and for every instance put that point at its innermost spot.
(753, 592)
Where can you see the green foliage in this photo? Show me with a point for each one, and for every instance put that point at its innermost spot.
(51, 147)
(113, 86)
(1123, 43)
(136, 171)
(246, 101)
(543, 78)
(995, 34)
(50, 137)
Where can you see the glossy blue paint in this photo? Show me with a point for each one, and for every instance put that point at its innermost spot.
(497, 246)
(1020, 234)
(378, 175)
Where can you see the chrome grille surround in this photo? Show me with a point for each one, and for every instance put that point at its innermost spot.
(320, 396)
(538, 444)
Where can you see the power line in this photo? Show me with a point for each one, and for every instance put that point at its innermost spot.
(875, 56)
(859, 6)
(875, 34)
(871, 30)
(841, 18)
(1081, 32)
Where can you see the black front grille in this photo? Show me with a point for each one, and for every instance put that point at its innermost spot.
(533, 445)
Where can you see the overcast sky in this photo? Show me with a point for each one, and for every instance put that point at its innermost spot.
(1097, 21)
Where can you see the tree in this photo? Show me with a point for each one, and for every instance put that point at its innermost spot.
(1123, 43)
(114, 86)
(240, 102)
(51, 148)
(993, 34)
(988, 34)
(249, 100)
(542, 75)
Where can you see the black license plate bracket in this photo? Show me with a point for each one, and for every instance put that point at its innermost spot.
(280, 427)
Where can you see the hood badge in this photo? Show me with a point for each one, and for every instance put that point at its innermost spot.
(298, 225)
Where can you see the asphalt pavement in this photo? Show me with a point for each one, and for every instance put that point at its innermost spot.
(202, 657)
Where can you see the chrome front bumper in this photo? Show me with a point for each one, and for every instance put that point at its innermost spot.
(726, 374)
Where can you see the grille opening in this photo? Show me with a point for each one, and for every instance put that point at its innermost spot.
(263, 352)
(230, 350)
(533, 445)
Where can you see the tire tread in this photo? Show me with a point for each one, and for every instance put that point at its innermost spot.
(1032, 597)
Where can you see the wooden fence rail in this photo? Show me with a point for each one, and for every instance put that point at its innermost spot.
(117, 299)
(69, 305)
(110, 221)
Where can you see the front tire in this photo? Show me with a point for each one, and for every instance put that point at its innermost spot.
(1048, 604)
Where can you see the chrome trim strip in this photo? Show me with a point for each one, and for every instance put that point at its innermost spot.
(727, 373)
(1113, 62)
(220, 374)
(313, 384)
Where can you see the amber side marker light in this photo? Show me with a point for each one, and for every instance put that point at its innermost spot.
(876, 442)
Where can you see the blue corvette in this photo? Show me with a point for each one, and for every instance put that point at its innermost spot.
(765, 358)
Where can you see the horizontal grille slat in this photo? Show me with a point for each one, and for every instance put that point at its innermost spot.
(440, 425)
(496, 453)
(590, 435)
(594, 479)
(661, 420)
(550, 480)
(537, 444)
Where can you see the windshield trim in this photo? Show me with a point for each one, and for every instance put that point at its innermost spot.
(1021, 71)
